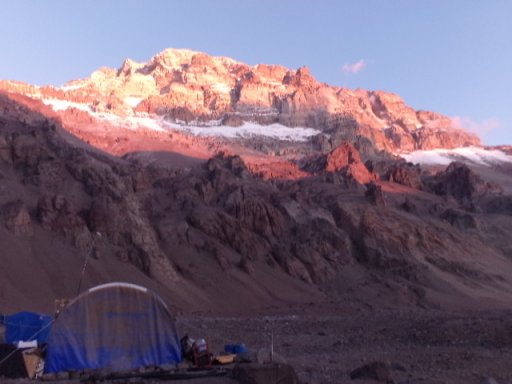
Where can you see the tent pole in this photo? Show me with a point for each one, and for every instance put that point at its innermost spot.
(86, 260)
(83, 273)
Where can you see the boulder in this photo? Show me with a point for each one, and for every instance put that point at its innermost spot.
(377, 370)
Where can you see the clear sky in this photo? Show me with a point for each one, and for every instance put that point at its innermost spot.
(449, 56)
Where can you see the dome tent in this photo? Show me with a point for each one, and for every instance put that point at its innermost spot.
(115, 327)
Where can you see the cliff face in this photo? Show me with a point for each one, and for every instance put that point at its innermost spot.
(190, 87)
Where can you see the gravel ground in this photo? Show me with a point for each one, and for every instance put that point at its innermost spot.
(419, 346)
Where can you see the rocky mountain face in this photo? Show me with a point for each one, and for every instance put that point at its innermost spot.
(192, 88)
(200, 220)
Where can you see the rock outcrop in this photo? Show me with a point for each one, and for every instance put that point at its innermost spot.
(406, 174)
(460, 182)
(17, 219)
(57, 214)
(344, 160)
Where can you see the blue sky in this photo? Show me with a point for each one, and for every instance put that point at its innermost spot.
(453, 57)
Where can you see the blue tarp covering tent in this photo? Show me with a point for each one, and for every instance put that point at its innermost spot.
(26, 326)
(117, 327)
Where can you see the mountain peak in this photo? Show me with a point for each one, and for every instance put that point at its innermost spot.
(174, 57)
(183, 86)
(129, 67)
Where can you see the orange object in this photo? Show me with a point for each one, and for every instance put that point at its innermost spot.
(225, 359)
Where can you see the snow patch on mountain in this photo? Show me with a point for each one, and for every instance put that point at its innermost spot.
(132, 101)
(468, 154)
(220, 87)
(131, 122)
(62, 105)
(213, 128)
(71, 87)
(248, 130)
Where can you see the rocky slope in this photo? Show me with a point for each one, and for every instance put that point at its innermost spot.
(232, 233)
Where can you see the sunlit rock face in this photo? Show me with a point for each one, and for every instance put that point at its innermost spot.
(193, 88)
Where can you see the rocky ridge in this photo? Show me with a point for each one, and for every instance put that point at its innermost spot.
(192, 88)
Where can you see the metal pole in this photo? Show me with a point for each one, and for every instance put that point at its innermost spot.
(83, 273)
(86, 260)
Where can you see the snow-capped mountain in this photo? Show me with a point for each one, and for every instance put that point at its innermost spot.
(190, 91)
